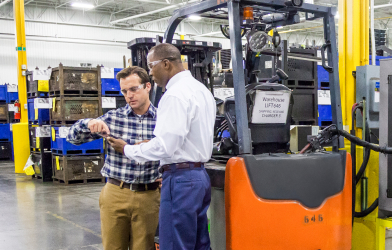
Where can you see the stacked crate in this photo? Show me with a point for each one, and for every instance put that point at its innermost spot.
(38, 105)
(76, 94)
(324, 98)
(5, 129)
(12, 97)
(111, 90)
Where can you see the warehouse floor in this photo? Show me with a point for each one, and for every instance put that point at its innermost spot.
(36, 215)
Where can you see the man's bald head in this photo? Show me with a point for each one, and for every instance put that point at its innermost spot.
(164, 61)
(166, 51)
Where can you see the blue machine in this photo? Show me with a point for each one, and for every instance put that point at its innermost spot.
(111, 87)
(62, 147)
(3, 93)
(324, 111)
(12, 97)
(5, 132)
(43, 114)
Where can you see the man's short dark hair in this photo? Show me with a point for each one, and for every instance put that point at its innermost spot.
(166, 51)
(134, 70)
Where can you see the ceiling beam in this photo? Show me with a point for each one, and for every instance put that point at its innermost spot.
(29, 2)
(152, 12)
(4, 3)
(382, 6)
(153, 21)
(133, 7)
(99, 5)
(209, 34)
(63, 4)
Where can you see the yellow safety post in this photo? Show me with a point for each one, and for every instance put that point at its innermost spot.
(353, 52)
(353, 49)
(382, 225)
(21, 130)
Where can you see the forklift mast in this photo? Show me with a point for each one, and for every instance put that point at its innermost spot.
(236, 26)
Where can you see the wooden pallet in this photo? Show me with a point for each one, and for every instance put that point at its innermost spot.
(84, 181)
(74, 93)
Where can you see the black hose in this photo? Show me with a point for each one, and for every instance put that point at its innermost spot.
(367, 211)
(354, 164)
(365, 144)
(366, 157)
(363, 166)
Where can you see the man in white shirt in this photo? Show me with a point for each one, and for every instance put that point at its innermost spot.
(183, 143)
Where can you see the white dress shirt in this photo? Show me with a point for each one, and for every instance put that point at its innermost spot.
(184, 128)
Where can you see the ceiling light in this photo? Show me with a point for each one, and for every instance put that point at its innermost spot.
(194, 17)
(279, 28)
(168, 1)
(82, 5)
(337, 15)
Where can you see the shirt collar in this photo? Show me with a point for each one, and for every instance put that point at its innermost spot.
(177, 77)
(151, 111)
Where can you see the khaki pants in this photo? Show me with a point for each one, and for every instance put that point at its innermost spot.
(128, 218)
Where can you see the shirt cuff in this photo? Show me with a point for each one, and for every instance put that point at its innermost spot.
(128, 151)
(85, 123)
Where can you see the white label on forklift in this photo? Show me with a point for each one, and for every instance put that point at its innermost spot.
(315, 130)
(108, 102)
(271, 107)
(377, 96)
(210, 43)
(63, 132)
(199, 43)
(42, 74)
(107, 73)
(223, 93)
(43, 131)
(12, 88)
(268, 64)
(324, 97)
(174, 42)
(43, 103)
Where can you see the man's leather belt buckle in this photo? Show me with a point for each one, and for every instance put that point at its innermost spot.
(134, 187)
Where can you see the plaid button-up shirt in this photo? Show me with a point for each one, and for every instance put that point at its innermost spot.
(132, 128)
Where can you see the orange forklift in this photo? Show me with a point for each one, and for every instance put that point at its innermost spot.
(264, 197)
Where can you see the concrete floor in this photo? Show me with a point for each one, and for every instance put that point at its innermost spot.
(36, 215)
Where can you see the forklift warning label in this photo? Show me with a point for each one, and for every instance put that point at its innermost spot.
(271, 107)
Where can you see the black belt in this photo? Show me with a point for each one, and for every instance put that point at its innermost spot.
(134, 187)
(181, 165)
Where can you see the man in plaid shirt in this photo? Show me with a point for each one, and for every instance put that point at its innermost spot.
(129, 202)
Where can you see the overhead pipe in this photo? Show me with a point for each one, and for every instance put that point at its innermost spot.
(4, 3)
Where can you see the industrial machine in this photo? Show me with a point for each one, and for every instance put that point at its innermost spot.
(263, 198)
(198, 59)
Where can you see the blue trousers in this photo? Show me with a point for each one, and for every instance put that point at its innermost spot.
(185, 198)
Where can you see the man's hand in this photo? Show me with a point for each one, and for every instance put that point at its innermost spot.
(117, 144)
(160, 182)
(98, 126)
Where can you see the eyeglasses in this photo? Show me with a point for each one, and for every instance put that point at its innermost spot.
(132, 89)
(150, 65)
